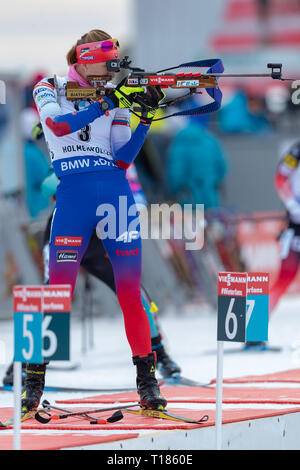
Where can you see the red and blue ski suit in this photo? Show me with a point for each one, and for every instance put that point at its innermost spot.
(86, 147)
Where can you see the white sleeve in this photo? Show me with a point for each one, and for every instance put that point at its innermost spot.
(45, 98)
(120, 131)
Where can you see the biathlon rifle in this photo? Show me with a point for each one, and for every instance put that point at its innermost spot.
(193, 81)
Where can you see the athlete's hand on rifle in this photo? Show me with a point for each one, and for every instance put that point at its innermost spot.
(37, 131)
(123, 96)
(149, 102)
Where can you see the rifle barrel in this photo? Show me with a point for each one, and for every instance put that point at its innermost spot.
(250, 75)
(232, 75)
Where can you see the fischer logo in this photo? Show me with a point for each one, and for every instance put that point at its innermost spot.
(68, 241)
(232, 279)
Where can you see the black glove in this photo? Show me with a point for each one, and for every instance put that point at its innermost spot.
(37, 131)
(149, 102)
(123, 96)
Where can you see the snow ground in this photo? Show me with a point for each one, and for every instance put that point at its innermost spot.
(189, 337)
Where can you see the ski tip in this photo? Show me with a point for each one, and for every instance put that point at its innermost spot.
(7, 424)
(6, 387)
(183, 381)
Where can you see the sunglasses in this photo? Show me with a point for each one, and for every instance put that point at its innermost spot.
(109, 44)
(98, 51)
(105, 46)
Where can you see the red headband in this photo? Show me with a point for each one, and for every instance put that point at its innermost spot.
(95, 52)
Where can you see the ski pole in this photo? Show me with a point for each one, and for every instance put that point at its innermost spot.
(69, 413)
(46, 404)
(117, 416)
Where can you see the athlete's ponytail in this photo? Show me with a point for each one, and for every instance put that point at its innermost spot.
(92, 36)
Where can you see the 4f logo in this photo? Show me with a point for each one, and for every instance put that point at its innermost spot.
(127, 237)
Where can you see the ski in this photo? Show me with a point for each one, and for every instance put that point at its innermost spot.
(179, 380)
(261, 348)
(24, 417)
(247, 350)
(164, 414)
(160, 414)
(41, 418)
(64, 366)
(49, 388)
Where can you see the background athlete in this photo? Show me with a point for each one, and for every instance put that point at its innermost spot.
(287, 183)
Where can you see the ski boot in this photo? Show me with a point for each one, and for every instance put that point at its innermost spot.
(8, 379)
(165, 365)
(33, 389)
(147, 386)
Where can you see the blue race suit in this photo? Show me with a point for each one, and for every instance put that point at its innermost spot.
(86, 147)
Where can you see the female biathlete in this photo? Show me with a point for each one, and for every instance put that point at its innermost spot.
(96, 262)
(287, 183)
(90, 147)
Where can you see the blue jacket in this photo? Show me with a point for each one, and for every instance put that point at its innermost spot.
(236, 118)
(196, 166)
(36, 166)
